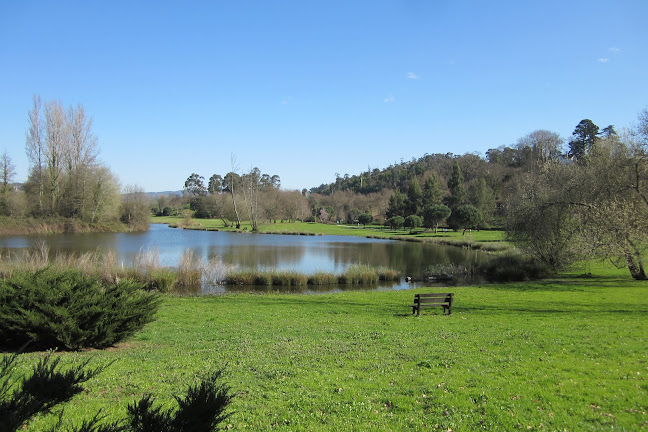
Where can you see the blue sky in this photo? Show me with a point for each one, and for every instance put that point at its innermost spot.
(308, 89)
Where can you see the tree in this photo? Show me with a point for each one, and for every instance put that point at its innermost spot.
(434, 214)
(482, 197)
(412, 222)
(365, 218)
(215, 184)
(432, 191)
(583, 139)
(251, 185)
(396, 222)
(57, 135)
(545, 145)
(465, 216)
(35, 149)
(134, 209)
(231, 183)
(414, 201)
(456, 187)
(195, 185)
(581, 211)
(608, 132)
(7, 172)
(396, 206)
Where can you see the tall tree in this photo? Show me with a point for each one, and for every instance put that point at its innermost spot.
(195, 185)
(231, 183)
(432, 191)
(35, 148)
(414, 201)
(57, 137)
(456, 187)
(480, 195)
(396, 206)
(583, 139)
(545, 145)
(215, 184)
(7, 172)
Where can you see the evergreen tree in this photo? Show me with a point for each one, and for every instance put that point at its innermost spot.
(396, 205)
(431, 191)
(456, 186)
(414, 201)
(482, 197)
(584, 137)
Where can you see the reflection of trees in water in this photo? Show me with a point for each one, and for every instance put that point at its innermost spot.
(255, 256)
(408, 258)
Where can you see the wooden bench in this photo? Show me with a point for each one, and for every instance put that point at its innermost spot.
(429, 300)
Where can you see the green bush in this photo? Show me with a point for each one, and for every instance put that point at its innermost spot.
(69, 310)
(513, 267)
(46, 388)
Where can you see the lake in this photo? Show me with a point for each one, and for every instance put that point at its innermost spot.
(305, 254)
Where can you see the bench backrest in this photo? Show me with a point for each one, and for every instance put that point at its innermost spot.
(433, 298)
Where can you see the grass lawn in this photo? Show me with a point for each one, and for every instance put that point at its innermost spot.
(564, 354)
(332, 229)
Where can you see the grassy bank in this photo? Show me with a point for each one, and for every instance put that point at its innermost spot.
(485, 239)
(562, 354)
(21, 226)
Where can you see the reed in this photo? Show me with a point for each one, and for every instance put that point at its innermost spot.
(190, 269)
(321, 278)
(359, 274)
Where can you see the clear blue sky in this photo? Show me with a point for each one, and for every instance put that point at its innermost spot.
(307, 89)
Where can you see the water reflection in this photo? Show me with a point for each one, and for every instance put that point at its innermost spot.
(305, 254)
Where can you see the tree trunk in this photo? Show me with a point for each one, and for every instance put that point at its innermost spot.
(635, 264)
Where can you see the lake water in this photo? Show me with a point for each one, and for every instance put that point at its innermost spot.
(305, 254)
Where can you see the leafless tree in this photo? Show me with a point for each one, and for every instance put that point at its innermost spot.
(7, 172)
(35, 150)
(57, 138)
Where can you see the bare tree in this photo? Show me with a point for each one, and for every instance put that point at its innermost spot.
(35, 150)
(135, 207)
(545, 145)
(57, 138)
(7, 172)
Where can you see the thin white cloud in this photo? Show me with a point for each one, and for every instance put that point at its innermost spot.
(389, 99)
(412, 76)
(603, 60)
(614, 49)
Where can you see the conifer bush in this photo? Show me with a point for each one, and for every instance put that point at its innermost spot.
(47, 387)
(68, 310)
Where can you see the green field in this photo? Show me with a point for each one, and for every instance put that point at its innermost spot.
(333, 229)
(569, 353)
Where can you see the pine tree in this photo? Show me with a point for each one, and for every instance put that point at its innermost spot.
(457, 189)
(432, 191)
(414, 201)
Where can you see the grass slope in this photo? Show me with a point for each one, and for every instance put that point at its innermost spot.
(563, 354)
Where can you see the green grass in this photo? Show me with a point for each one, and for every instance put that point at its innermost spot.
(486, 238)
(563, 354)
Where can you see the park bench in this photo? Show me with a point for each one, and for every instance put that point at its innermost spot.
(430, 300)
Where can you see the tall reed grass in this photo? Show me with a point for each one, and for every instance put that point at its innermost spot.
(191, 271)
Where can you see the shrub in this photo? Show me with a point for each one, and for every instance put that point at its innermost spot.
(69, 310)
(47, 387)
(512, 267)
(203, 409)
